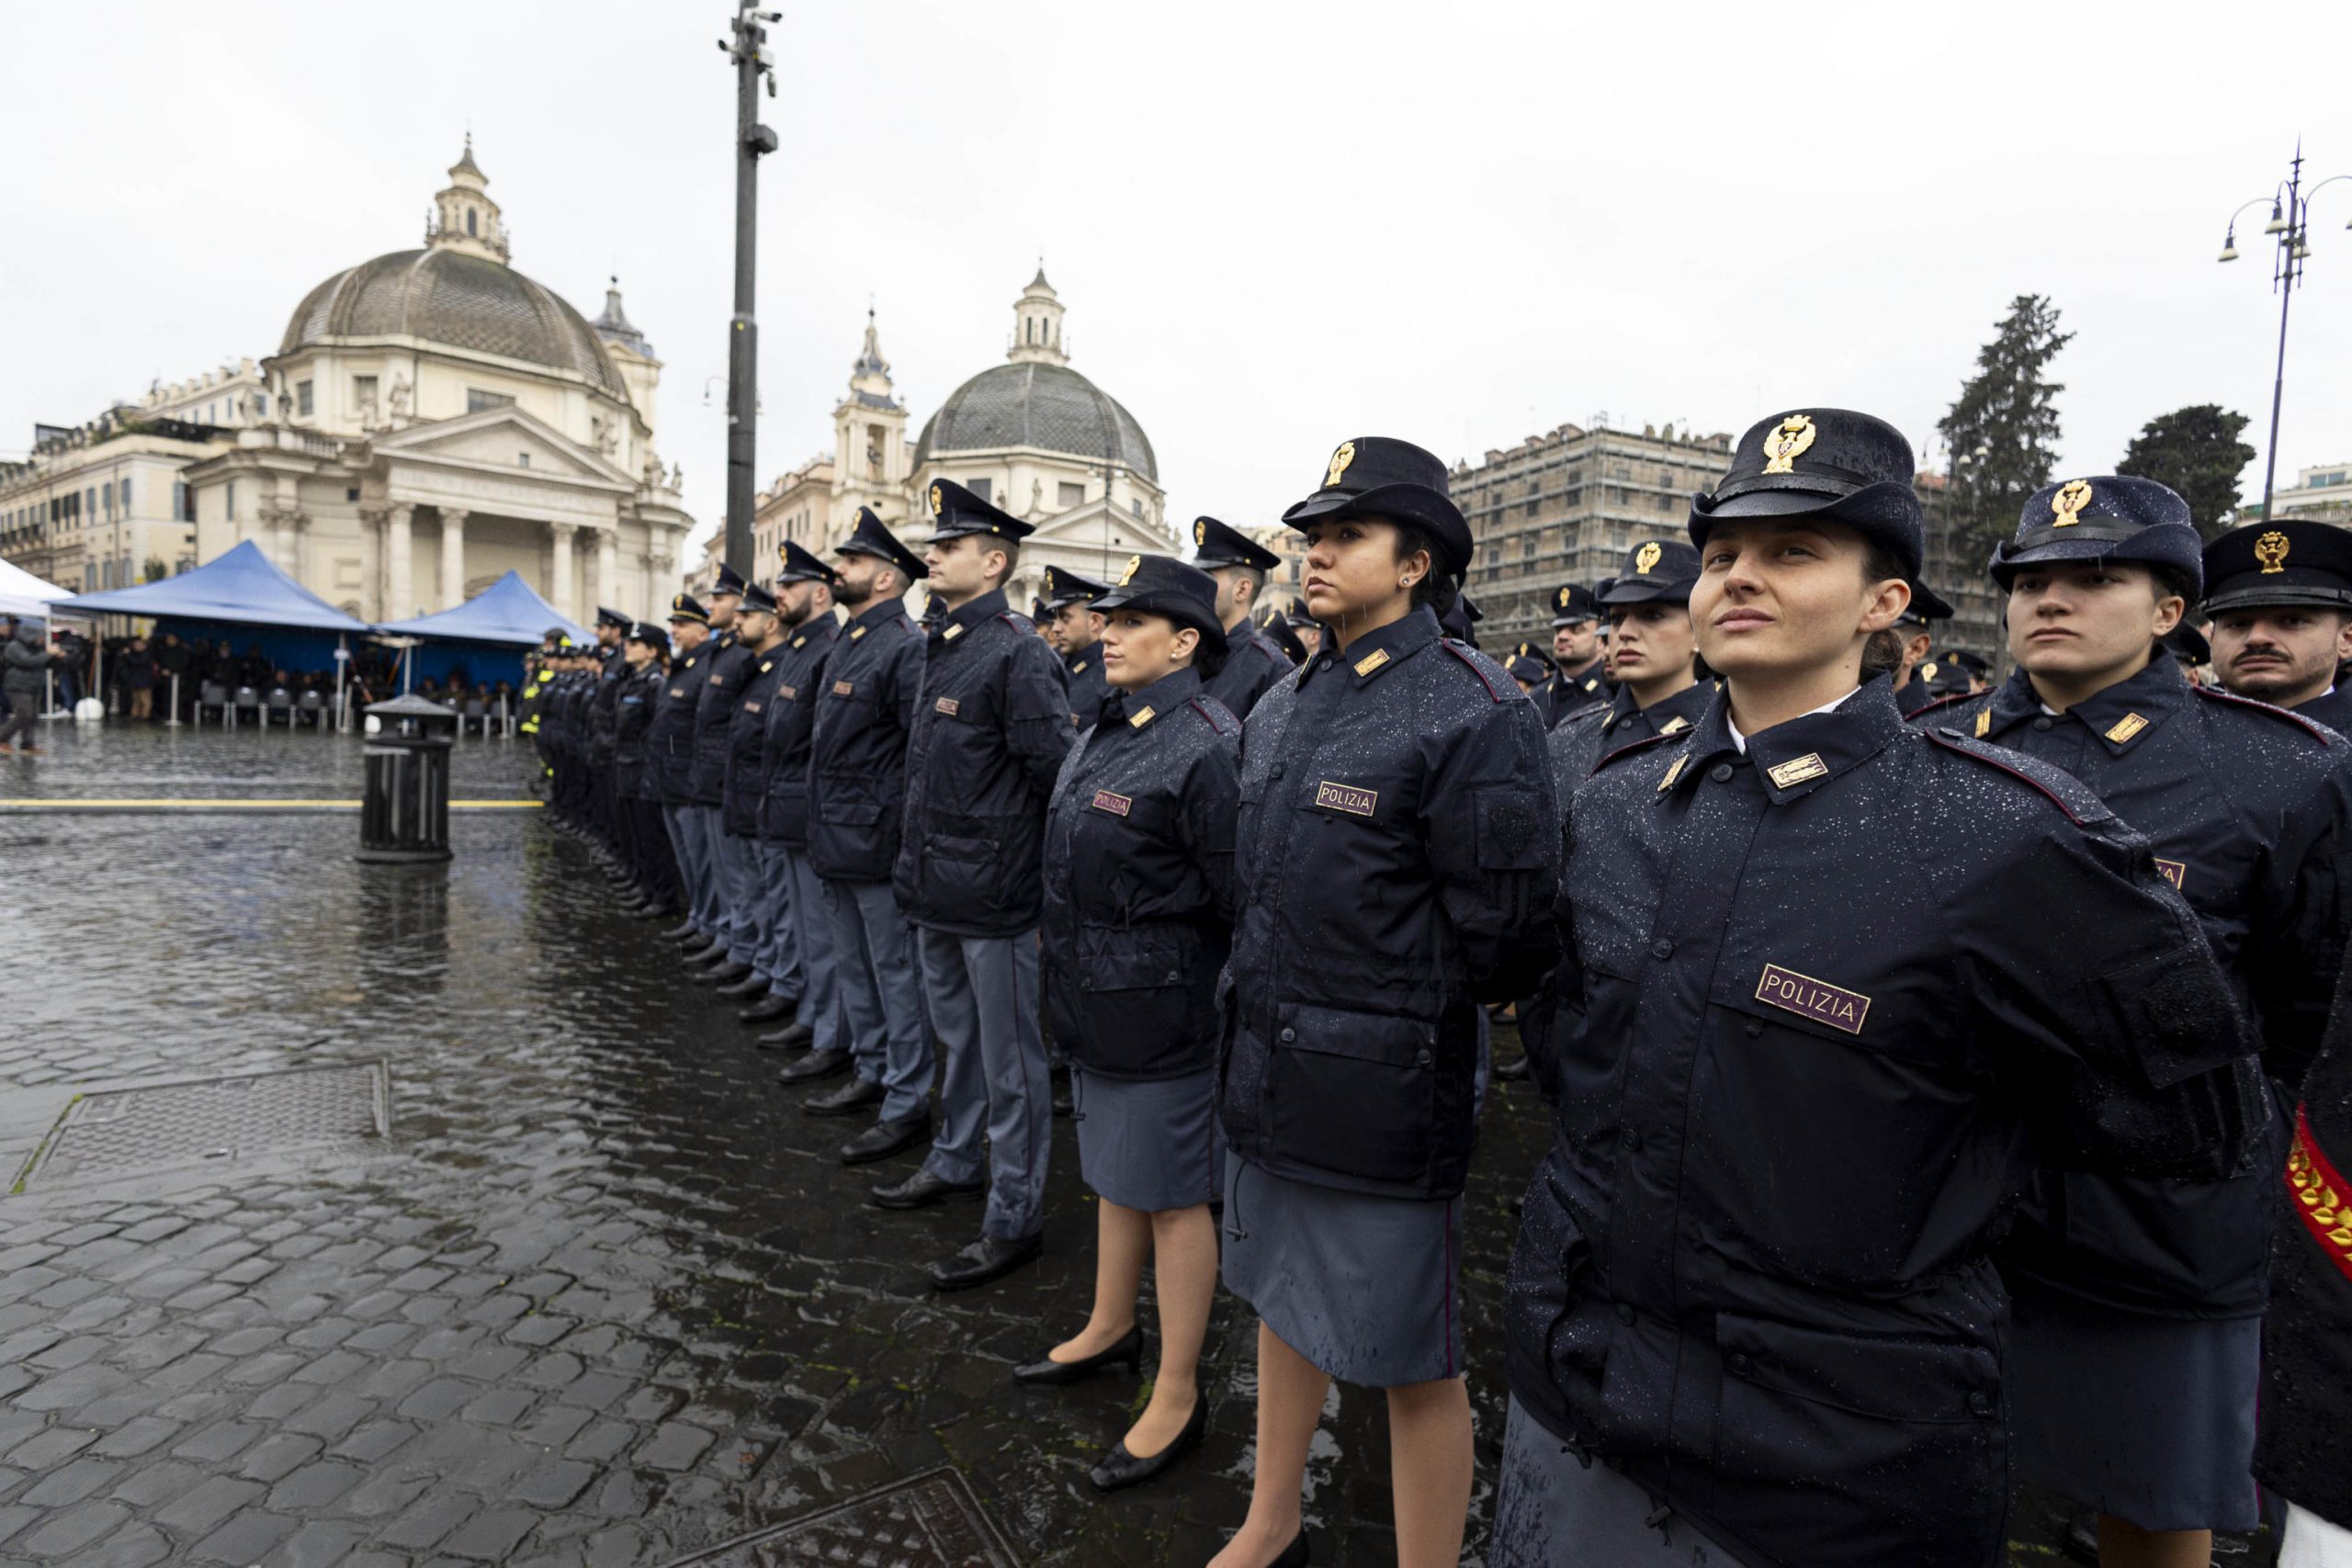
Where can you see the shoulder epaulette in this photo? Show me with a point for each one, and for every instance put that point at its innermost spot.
(1591, 711)
(2062, 789)
(1631, 747)
(2216, 695)
(1208, 708)
(1469, 657)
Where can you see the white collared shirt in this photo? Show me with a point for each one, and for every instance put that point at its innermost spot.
(1739, 741)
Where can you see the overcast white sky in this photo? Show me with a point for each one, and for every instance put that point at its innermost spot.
(1275, 225)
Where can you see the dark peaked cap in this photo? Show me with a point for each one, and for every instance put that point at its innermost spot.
(1162, 585)
(686, 608)
(1065, 588)
(2109, 517)
(1215, 543)
(1833, 465)
(2280, 563)
(1374, 476)
(799, 566)
(729, 580)
(757, 597)
(871, 538)
(610, 617)
(955, 512)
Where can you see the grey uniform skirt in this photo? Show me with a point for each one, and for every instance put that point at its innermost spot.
(1148, 1144)
(2150, 1419)
(1364, 1287)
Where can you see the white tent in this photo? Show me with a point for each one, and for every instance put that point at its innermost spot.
(22, 593)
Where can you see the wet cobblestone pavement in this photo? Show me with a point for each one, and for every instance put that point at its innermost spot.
(603, 1298)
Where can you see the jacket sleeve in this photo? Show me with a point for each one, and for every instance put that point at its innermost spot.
(2109, 1020)
(905, 675)
(1212, 805)
(2300, 926)
(1490, 818)
(1036, 712)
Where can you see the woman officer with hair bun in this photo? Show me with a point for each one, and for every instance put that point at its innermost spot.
(1138, 885)
(1397, 836)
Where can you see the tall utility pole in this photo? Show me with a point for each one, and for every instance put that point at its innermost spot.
(752, 61)
(2290, 207)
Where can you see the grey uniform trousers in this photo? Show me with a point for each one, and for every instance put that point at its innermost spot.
(885, 1025)
(735, 881)
(983, 995)
(687, 838)
(766, 931)
(806, 972)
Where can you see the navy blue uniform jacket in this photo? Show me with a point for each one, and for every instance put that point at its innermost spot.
(857, 745)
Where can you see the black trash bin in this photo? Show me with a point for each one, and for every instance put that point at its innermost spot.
(404, 816)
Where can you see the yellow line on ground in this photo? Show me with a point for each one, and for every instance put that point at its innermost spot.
(54, 805)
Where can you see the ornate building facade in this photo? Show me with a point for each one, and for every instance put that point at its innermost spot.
(434, 418)
(1032, 435)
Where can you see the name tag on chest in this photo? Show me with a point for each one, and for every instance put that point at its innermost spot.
(841, 688)
(1817, 999)
(677, 691)
(791, 694)
(947, 705)
(1116, 804)
(751, 708)
(1351, 798)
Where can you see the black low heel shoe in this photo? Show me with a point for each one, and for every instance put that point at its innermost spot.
(1045, 1371)
(1295, 1555)
(1119, 1469)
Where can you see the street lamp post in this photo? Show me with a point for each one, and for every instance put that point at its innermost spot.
(752, 61)
(2291, 206)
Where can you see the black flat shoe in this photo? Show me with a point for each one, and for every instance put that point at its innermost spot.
(766, 1008)
(1063, 1104)
(922, 1190)
(812, 1065)
(1513, 1070)
(753, 985)
(1047, 1372)
(1119, 1469)
(847, 1100)
(683, 934)
(797, 1037)
(986, 1259)
(1298, 1554)
(887, 1138)
(702, 950)
(724, 975)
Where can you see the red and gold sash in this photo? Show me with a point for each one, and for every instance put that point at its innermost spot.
(2322, 1199)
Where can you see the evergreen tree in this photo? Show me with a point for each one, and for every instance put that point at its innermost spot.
(2003, 426)
(2196, 450)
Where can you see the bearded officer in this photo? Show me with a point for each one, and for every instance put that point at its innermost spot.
(990, 729)
(1254, 661)
(1078, 633)
(718, 676)
(1576, 650)
(670, 763)
(763, 957)
(2279, 598)
(805, 620)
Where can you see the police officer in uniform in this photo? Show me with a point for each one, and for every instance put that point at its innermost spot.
(1137, 912)
(1276, 627)
(1575, 650)
(763, 955)
(857, 763)
(670, 760)
(1654, 652)
(612, 629)
(1253, 660)
(991, 726)
(1912, 690)
(804, 596)
(1395, 850)
(2138, 1302)
(721, 900)
(1975, 670)
(2279, 597)
(645, 842)
(1829, 984)
(1078, 631)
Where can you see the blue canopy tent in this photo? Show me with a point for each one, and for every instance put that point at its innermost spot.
(498, 622)
(231, 595)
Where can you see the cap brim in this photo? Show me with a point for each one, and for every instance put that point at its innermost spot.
(1638, 592)
(1417, 504)
(1180, 608)
(2281, 596)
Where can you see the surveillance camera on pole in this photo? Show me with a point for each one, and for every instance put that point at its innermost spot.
(752, 59)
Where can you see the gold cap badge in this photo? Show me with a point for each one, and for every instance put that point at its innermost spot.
(2068, 503)
(1339, 461)
(1788, 443)
(1200, 532)
(1646, 557)
(1134, 564)
(2271, 551)
(1928, 669)
(934, 501)
(1567, 594)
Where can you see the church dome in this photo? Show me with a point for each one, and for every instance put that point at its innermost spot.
(1037, 404)
(448, 296)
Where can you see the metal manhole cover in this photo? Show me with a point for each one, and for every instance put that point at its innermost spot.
(929, 1520)
(129, 1131)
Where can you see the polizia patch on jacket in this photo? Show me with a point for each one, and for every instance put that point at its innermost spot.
(1116, 804)
(1817, 999)
(841, 688)
(1349, 798)
(947, 705)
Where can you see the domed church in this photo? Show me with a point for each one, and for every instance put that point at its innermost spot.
(1032, 435)
(435, 419)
